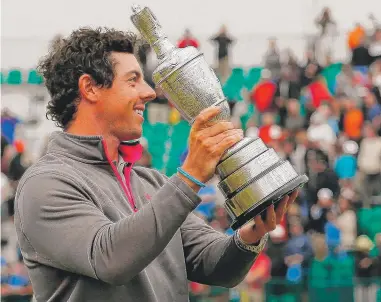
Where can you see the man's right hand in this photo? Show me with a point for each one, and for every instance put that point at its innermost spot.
(207, 142)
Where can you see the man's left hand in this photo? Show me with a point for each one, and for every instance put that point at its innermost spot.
(253, 231)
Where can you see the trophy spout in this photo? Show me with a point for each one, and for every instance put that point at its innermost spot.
(150, 28)
(136, 8)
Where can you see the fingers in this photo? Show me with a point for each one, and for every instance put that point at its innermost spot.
(262, 227)
(205, 116)
(259, 226)
(283, 206)
(226, 140)
(271, 219)
(293, 197)
(217, 128)
(281, 209)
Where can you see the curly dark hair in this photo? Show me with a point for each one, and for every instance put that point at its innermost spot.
(85, 51)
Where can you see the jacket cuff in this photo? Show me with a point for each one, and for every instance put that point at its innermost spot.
(180, 185)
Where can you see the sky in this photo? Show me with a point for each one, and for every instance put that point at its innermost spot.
(29, 25)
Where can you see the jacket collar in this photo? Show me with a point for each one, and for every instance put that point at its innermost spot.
(90, 149)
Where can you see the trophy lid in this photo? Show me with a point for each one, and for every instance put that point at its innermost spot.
(149, 27)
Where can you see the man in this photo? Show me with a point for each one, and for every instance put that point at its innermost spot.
(93, 228)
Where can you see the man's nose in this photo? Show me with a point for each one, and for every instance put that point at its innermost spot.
(147, 94)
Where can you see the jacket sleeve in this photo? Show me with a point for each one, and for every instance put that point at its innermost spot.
(211, 257)
(60, 227)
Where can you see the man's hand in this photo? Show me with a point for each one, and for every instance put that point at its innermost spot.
(253, 231)
(207, 142)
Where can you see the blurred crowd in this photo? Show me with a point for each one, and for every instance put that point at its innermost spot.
(322, 116)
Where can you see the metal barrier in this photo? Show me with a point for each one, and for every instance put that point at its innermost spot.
(281, 290)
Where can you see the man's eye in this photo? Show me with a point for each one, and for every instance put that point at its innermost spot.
(133, 79)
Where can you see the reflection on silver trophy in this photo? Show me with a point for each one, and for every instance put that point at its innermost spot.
(252, 176)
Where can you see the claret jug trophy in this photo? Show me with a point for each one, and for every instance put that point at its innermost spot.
(252, 176)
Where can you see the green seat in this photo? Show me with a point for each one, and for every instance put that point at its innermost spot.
(247, 116)
(329, 74)
(253, 77)
(14, 77)
(2, 78)
(369, 221)
(234, 84)
(333, 275)
(34, 78)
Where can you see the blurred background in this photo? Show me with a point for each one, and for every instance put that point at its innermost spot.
(303, 75)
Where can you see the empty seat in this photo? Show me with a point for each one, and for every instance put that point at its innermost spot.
(14, 77)
(34, 78)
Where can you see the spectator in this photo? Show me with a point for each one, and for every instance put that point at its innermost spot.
(318, 216)
(375, 46)
(346, 83)
(257, 277)
(272, 59)
(276, 252)
(9, 125)
(356, 36)
(325, 21)
(325, 42)
(360, 54)
(298, 249)
(365, 290)
(376, 81)
(372, 108)
(223, 42)
(309, 74)
(321, 132)
(377, 261)
(188, 40)
(347, 223)
(345, 165)
(268, 121)
(293, 121)
(369, 165)
(299, 155)
(352, 119)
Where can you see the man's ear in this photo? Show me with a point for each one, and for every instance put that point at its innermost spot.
(88, 89)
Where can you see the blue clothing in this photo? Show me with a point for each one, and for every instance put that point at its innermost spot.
(207, 208)
(334, 124)
(8, 127)
(299, 245)
(373, 112)
(333, 236)
(345, 166)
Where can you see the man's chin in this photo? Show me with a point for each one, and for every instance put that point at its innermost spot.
(132, 136)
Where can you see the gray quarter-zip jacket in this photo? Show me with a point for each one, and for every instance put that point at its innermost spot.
(89, 231)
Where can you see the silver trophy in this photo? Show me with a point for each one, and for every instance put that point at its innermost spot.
(252, 176)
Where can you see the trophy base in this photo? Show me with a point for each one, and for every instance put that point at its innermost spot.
(274, 198)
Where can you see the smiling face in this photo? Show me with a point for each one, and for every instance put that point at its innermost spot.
(121, 106)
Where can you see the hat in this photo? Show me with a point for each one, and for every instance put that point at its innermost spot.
(252, 132)
(317, 118)
(275, 132)
(278, 232)
(350, 147)
(266, 74)
(364, 244)
(347, 193)
(324, 194)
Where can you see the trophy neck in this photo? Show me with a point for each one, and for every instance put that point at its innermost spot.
(149, 27)
(162, 47)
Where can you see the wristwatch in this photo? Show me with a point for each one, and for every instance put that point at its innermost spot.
(254, 248)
